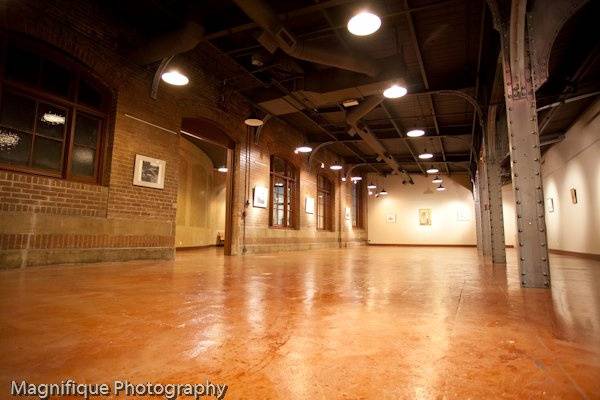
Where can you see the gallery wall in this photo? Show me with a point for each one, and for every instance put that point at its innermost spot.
(573, 163)
(452, 213)
(200, 199)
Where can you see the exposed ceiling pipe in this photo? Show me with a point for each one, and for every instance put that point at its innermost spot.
(169, 44)
(276, 34)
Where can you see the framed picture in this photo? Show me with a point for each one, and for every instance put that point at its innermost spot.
(573, 195)
(260, 197)
(309, 205)
(348, 213)
(390, 218)
(550, 204)
(425, 216)
(149, 172)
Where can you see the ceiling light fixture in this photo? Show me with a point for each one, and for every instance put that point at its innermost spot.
(383, 192)
(253, 120)
(335, 167)
(176, 78)
(222, 169)
(432, 170)
(343, 179)
(425, 155)
(371, 186)
(395, 92)
(356, 178)
(415, 133)
(303, 149)
(53, 119)
(350, 103)
(364, 23)
(440, 188)
(437, 179)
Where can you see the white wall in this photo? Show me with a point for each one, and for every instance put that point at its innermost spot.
(572, 163)
(508, 213)
(406, 200)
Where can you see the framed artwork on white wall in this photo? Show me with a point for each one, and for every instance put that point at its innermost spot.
(149, 172)
(550, 204)
(309, 205)
(425, 216)
(260, 197)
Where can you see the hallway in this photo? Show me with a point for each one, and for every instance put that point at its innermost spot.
(365, 322)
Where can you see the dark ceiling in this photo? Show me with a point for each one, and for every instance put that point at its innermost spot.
(432, 44)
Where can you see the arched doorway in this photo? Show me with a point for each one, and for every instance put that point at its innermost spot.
(210, 138)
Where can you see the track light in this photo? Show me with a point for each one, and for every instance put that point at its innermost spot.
(395, 92)
(176, 78)
(364, 23)
(415, 133)
(437, 179)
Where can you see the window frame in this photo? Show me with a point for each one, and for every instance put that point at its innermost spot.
(33, 91)
(325, 189)
(357, 194)
(291, 184)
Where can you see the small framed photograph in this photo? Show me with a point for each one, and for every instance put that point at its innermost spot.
(550, 204)
(425, 216)
(260, 197)
(309, 205)
(573, 195)
(149, 172)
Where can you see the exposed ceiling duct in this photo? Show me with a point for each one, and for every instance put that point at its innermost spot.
(170, 44)
(353, 120)
(276, 35)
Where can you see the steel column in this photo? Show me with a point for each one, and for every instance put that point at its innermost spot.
(478, 222)
(524, 144)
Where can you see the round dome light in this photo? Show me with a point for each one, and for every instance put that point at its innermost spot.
(425, 156)
(433, 171)
(175, 77)
(364, 23)
(415, 133)
(335, 167)
(395, 92)
(303, 149)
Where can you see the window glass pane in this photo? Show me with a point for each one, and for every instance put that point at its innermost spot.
(290, 203)
(22, 66)
(86, 130)
(278, 199)
(278, 165)
(89, 95)
(47, 153)
(51, 121)
(83, 161)
(17, 112)
(14, 146)
(56, 79)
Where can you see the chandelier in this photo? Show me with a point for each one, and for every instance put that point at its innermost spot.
(8, 139)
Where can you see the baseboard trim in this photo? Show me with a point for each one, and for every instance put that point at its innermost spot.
(575, 254)
(206, 246)
(420, 245)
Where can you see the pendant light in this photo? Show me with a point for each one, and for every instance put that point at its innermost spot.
(222, 169)
(425, 155)
(432, 170)
(440, 188)
(253, 120)
(303, 149)
(437, 179)
(383, 192)
(371, 186)
(395, 92)
(336, 166)
(415, 133)
(364, 23)
(175, 78)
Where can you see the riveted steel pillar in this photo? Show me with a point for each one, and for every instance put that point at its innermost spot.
(484, 207)
(524, 145)
(478, 222)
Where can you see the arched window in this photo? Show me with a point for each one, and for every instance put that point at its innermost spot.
(284, 193)
(324, 203)
(53, 115)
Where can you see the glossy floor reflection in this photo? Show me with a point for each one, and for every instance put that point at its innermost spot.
(376, 322)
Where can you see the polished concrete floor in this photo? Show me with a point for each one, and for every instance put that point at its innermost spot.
(362, 323)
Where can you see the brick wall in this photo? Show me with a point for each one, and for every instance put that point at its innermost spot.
(46, 220)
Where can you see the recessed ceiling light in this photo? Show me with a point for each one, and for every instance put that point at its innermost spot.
(433, 171)
(415, 133)
(222, 169)
(425, 156)
(364, 23)
(303, 149)
(395, 92)
(335, 167)
(437, 179)
(175, 77)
